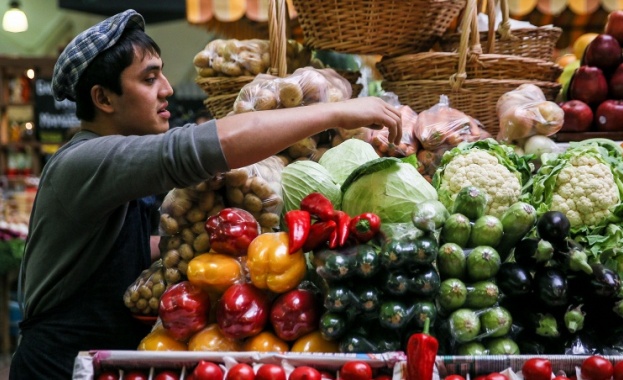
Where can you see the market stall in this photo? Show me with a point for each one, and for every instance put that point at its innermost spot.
(476, 247)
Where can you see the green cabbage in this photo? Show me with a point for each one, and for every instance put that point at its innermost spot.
(301, 178)
(387, 187)
(344, 158)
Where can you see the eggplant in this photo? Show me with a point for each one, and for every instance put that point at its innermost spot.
(514, 280)
(532, 253)
(554, 227)
(601, 283)
(550, 286)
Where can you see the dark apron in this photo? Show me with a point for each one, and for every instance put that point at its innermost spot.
(95, 318)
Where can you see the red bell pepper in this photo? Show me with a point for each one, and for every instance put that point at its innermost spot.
(421, 353)
(318, 206)
(294, 314)
(242, 311)
(184, 310)
(231, 231)
(319, 233)
(365, 226)
(343, 227)
(299, 224)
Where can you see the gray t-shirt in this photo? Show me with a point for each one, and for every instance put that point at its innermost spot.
(75, 219)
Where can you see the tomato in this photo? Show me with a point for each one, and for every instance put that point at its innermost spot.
(596, 368)
(561, 378)
(617, 373)
(241, 371)
(108, 375)
(454, 377)
(327, 375)
(496, 376)
(206, 370)
(270, 372)
(135, 375)
(537, 369)
(167, 375)
(355, 370)
(305, 373)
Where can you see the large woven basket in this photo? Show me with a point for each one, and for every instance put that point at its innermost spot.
(539, 42)
(472, 81)
(383, 27)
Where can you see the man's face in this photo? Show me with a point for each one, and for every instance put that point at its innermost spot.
(142, 107)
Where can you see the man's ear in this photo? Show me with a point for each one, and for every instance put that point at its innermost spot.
(100, 98)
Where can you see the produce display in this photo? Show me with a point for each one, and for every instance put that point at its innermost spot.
(453, 243)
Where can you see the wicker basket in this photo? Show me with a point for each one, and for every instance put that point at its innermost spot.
(220, 105)
(472, 81)
(539, 42)
(383, 27)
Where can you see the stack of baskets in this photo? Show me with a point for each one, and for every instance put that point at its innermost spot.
(474, 81)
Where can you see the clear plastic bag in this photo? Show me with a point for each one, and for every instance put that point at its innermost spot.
(143, 295)
(408, 144)
(182, 224)
(257, 189)
(233, 58)
(442, 126)
(524, 112)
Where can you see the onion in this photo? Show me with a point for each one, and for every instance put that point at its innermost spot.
(539, 144)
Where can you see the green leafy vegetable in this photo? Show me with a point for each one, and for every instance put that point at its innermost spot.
(344, 158)
(301, 178)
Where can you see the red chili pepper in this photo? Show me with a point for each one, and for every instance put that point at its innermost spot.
(319, 233)
(364, 226)
(343, 227)
(421, 353)
(318, 206)
(299, 224)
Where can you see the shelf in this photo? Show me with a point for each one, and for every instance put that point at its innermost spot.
(579, 136)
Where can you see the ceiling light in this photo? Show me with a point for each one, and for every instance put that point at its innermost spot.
(14, 19)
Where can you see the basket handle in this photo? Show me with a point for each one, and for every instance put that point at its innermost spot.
(277, 11)
(505, 26)
(469, 34)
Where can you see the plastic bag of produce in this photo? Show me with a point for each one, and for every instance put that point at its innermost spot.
(260, 94)
(442, 126)
(143, 295)
(182, 224)
(257, 189)
(524, 112)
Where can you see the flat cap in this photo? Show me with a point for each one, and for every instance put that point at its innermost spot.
(85, 47)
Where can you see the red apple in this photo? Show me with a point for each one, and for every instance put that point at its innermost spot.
(609, 115)
(578, 116)
(604, 52)
(588, 85)
(615, 84)
(614, 25)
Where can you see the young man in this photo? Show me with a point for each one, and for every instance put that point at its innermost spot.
(90, 226)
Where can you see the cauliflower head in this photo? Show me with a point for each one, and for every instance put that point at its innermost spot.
(585, 191)
(481, 169)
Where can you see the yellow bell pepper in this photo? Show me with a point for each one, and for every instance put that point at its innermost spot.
(270, 264)
(265, 341)
(159, 340)
(314, 342)
(214, 272)
(211, 338)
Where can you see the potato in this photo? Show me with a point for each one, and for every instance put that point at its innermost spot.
(206, 72)
(172, 275)
(302, 148)
(202, 59)
(171, 258)
(187, 235)
(261, 188)
(265, 100)
(206, 200)
(252, 203)
(202, 243)
(290, 94)
(235, 195)
(169, 225)
(195, 215)
(236, 177)
(268, 220)
(186, 252)
(231, 69)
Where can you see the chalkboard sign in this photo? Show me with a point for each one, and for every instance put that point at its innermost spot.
(51, 114)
